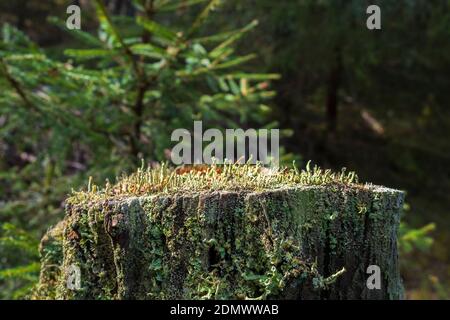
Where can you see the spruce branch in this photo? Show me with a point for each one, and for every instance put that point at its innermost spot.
(17, 86)
(104, 17)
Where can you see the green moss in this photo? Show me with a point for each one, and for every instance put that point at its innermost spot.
(230, 177)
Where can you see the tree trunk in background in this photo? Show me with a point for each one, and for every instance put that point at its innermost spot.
(334, 81)
(22, 14)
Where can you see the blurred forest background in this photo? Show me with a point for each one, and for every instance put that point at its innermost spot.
(93, 102)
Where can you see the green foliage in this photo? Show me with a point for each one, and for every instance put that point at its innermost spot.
(411, 239)
(415, 244)
(18, 272)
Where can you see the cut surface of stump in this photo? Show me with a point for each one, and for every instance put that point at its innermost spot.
(282, 237)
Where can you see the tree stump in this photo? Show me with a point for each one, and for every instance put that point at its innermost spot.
(290, 242)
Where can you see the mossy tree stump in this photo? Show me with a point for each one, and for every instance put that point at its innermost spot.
(293, 242)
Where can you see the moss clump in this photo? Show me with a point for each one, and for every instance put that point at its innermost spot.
(230, 177)
(248, 234)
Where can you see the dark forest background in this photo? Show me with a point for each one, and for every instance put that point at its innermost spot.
(75, 104)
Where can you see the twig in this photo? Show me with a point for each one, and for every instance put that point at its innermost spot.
(17, 87)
